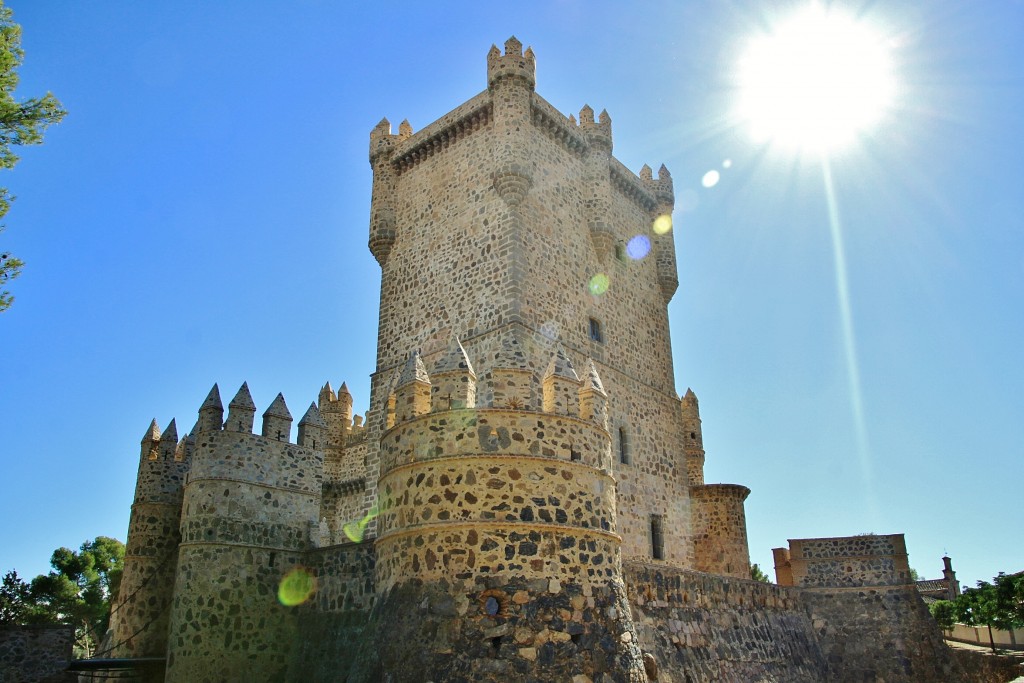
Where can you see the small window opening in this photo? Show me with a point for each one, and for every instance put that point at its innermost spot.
(575, 455)
(595, 331)
(273, 557)
(620, 252)
(693, 435)
(496, 642)
(576, 638)
(657, 538)
(623, 446)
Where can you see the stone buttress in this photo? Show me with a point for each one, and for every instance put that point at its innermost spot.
(250, 507)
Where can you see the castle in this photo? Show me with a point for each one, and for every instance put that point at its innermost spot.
(525, 500)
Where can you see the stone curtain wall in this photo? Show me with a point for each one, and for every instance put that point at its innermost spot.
(701, 627)
(334, 628)
(884, 633)
(35, 654)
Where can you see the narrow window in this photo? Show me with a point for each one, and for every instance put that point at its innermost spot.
(595, 331)
(620, 252)
(657, 538)
(623, 446)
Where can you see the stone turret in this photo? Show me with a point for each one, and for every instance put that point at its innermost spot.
(510, 80)
(139, 619)
(692, 439)
(246, 517)
(597, 180)
(211, 412)
(500, 524)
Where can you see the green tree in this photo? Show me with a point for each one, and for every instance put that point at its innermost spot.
(757, 575)
(79, 591)
(999, 604)
(944, 613)
(21, 123)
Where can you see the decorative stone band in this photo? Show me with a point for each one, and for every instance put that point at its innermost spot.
(495, 432)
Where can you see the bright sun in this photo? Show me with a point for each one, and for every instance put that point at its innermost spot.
(815, 81)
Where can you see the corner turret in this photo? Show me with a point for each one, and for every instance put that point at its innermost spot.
(693, 441)
(513, 65)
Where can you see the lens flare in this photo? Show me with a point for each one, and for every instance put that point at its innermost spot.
(598, 284)
(710, 178)
(638, 247)
(355, 530)
(662, 224)
(727, 163)
(296, 587)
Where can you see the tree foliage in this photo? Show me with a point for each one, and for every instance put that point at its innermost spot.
(79, 591)
(999, 604)
(21, 123)
(757, 574)
(944, 613)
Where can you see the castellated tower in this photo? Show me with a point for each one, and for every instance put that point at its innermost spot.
(514, 249)
(249, 509)
(140, 616)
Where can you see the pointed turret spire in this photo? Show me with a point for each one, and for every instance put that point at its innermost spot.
(312, 417)
(454, 358)
(593, 380)
(170, 434)
(343, 391)
(277, 408)
(241, 411)
(152, 432)
(213, 399)
(327, 394)
(312, 429)
(561, 366)
(414, 370)
(277, 421)
(211, 412)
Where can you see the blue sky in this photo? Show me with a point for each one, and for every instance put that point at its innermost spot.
(201, 216)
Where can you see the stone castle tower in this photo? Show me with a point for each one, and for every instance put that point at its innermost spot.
(527, 491)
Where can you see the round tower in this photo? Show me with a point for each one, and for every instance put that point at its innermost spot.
(249, 507)
(720, 529)
(139, 617)
(496, 548)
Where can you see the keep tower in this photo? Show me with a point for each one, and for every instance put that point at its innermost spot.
(514, 249)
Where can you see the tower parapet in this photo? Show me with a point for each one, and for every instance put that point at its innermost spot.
(246, 516)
